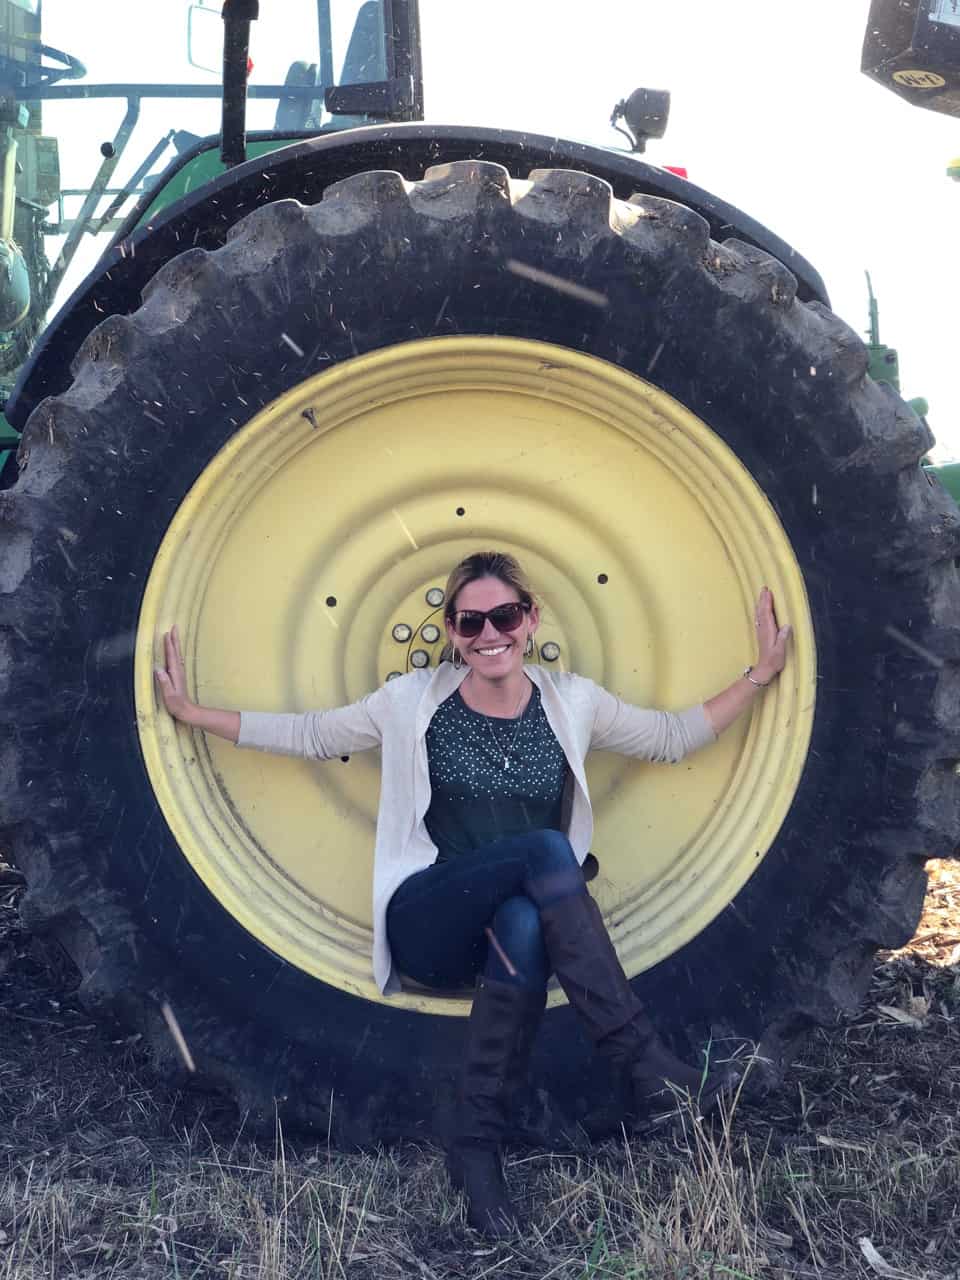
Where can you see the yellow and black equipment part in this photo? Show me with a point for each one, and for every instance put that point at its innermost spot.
(913, 48)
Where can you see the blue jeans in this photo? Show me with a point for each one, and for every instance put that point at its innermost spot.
(437, 919)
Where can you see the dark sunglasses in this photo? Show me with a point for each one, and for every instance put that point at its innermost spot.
(505, 617)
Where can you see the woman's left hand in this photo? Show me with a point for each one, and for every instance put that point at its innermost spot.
(772, 639)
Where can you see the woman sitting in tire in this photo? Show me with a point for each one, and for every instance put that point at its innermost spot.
(484, 839)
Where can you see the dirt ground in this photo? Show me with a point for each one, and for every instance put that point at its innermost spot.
(853, 1169)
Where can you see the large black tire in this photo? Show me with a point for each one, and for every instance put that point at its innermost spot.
(378, 262)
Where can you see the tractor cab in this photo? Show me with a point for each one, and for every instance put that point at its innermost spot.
(99, 119)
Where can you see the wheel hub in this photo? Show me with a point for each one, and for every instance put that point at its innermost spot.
(306, 566)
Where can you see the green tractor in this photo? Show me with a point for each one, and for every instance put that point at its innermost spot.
(313, 365)
(914, 51)
(29, 164)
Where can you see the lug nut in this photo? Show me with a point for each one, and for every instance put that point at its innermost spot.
(550, 651)
(435, 596)
(401, 633)
(420, 658)
(430, 633)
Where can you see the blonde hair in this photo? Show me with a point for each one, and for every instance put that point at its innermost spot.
(483, 564)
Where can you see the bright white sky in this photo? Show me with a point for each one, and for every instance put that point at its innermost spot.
(770, 111)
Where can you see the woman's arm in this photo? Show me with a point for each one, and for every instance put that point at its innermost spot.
(669, 736)
(172, 681)
(725, 707)
(311, 735)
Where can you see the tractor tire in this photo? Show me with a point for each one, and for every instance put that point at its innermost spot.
(631, 292)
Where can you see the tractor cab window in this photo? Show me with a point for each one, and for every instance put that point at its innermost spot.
(357, 42)
(104, 114)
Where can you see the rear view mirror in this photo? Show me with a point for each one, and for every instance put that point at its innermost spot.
(644, 115)
(205, 37)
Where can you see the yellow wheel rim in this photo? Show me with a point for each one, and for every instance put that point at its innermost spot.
(320, 536)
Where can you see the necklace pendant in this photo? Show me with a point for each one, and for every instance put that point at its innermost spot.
(506, 762)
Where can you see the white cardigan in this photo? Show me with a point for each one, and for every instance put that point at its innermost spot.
(395, 717)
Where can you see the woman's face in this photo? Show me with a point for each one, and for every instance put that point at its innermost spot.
(493, 654)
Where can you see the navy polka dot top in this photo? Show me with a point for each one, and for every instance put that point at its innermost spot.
(491, 777)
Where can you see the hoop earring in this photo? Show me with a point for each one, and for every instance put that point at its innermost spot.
(457, 658)
(528, 647)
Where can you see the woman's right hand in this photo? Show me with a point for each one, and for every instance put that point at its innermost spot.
(172, 678)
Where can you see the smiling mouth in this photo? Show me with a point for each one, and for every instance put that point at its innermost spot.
(493, 651)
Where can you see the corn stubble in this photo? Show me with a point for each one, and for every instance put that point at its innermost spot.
(108, 1168)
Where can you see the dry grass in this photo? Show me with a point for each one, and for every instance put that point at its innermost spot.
(852, 1170)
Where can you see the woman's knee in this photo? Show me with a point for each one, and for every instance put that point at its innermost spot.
(552, 868)
(551, 851)
(520, 945)
(517, 920)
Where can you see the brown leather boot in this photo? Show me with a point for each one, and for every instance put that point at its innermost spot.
(587, 967)
(503, 1021)
(535, 1002)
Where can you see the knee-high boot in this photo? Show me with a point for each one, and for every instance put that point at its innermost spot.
(586, 964)
(519, 1065)
(500, 1032)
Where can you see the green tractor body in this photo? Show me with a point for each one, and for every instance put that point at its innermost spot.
(29, 181)
(50, 231)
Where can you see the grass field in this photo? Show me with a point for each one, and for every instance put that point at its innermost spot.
(853, 1169)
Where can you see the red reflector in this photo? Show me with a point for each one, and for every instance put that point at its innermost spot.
(679, 170)
(250, 73)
